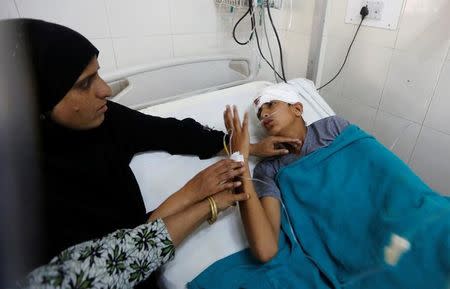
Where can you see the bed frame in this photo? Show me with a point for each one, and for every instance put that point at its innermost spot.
(154, 83)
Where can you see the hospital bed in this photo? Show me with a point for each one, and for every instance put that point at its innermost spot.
(159, 174)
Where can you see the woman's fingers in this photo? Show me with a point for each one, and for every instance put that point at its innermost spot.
(281, 139)
(228, 186)
(230, 175)
(221, 166)
(227, 198)
(228, 166)
(280, 152)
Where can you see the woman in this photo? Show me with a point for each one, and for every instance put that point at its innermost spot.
(89, 189)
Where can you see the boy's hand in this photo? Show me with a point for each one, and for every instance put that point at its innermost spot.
(240, 140)
(273, 146)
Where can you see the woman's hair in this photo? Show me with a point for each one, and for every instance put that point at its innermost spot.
(57, 55)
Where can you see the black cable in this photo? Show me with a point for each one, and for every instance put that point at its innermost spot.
(364, 12)
(265, 59)
(237, 23)
(255, 32)
(278, 40)
(268, 43)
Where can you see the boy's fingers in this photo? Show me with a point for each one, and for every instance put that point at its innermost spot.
(245, 123)
(228, 119)
(236, 120)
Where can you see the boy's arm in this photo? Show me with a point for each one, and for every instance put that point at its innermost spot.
(260, 222)
(261, 219)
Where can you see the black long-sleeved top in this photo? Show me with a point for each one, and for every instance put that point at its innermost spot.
(89, 189)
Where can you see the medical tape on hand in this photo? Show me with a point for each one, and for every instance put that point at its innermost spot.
(237, 157)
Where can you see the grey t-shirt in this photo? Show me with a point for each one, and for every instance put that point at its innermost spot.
(318, 134)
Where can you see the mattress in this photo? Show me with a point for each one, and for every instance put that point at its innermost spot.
(160, 174)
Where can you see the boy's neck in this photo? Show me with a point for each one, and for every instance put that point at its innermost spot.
(297, 131)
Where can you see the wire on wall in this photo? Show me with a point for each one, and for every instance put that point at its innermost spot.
(278, 40)
(249, 10)
(254, 31)
(263, 15)
(364, 12)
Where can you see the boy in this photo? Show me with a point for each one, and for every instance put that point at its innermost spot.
(354, 215)
(280, 111)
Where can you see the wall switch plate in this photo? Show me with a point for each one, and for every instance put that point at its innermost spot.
(382, 13)
(375, 9)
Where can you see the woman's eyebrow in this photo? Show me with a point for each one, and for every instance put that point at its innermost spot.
(87, 77)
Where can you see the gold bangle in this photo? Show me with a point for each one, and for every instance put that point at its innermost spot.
(213, 207)
(214, 211)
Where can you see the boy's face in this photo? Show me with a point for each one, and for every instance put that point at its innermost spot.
(278, 116)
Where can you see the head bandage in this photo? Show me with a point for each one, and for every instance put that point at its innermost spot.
(282, 91)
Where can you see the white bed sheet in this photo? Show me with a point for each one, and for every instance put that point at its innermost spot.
(159, 174)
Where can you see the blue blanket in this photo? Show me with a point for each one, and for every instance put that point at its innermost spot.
(342, 205)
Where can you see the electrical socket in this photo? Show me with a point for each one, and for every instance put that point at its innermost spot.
(385, 15)
(375, 9)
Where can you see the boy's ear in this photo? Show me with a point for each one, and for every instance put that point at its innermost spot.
(298, 108)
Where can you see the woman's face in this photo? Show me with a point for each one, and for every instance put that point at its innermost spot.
(84, 106)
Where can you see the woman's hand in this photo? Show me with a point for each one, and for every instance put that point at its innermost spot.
(227, 198)
(214, 179)
(273, 146)
(240, 140)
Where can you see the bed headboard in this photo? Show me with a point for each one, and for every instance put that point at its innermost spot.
(145, 85)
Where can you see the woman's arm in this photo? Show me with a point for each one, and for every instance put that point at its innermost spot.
(139, 132)
(145, 132)
(180, 225)
(128, 256)
(261, 218)
(215, 178)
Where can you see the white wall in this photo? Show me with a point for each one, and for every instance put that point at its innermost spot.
(395, 79)
(143, 31)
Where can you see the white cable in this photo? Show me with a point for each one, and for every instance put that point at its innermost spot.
(270, 115)
(290, 17)
(268, 45)
(252, 12)
(257, 57)
(253, 179)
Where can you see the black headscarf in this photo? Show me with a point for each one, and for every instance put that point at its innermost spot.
(88, 188)
(58, 56)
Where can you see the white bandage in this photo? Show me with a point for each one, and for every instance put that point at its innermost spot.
(237, 157)
(281, 91)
